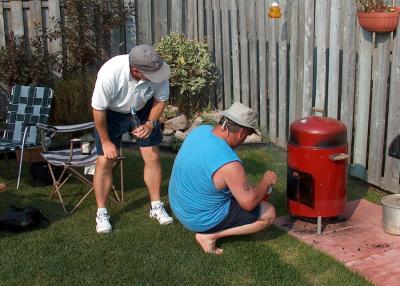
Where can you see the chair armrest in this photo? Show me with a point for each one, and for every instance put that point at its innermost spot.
(66, 128)
(79, 140)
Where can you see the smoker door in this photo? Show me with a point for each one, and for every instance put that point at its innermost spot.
(300, 187)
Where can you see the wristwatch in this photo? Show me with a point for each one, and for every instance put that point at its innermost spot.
(153, 123)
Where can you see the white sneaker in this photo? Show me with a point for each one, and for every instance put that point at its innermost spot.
(158, 212)
(103, 223)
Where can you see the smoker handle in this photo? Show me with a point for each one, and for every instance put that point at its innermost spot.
(338, 157)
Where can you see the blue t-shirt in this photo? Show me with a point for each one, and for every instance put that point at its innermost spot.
(195, 201)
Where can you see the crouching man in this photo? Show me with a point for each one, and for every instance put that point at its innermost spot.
(209, 192)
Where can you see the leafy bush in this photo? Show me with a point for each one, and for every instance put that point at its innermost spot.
(18, 65)
(192, 72)
(86, 32)
(72, 99)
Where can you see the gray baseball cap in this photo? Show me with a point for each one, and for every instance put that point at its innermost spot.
(242, 115)
(148, 62)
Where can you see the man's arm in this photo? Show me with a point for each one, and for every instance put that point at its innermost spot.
(234, 177)
(145, 130)
(100, 120)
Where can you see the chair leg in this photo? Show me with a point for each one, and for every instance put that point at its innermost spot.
(58, 185)
(7, 160)
(57, 190)
(79, 203)
(84, 180)
(122, 180)
(119, 163)
(20, 168)
(26, 131)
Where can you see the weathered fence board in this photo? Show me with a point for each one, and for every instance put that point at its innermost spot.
(273, 81)
(176, 15)
(2, 30)
(334, 50)
(35, 15)
(348, 70)
(160, 20)
(262, 63)
(235, 51)
(252, 39)
(210, 28)
(315, 59)
(54, 15)
(17, 22)
(144, 28)
(308, 57)
(200, 19)
(362, 104)
(321, 46)
(218, 52)
(380, 74)
(226, 48)
(282, 76)
(293, 61)
(130, 30)
(191, 19)
(244, 54)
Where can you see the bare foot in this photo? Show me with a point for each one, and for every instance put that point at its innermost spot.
(208, 244)
(3, 187)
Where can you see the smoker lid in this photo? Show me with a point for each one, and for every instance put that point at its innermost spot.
(392, 201)
(318, 132)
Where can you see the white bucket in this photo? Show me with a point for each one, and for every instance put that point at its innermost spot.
(391, 214)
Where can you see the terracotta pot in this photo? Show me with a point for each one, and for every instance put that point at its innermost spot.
(379, 22)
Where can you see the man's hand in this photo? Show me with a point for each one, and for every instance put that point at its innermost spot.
(143, 131)
(109, 150)
(270, 178)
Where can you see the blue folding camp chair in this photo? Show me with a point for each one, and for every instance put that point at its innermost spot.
(28, 105)
(79, 153)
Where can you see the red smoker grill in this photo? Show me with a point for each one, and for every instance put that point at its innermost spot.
(317, 168)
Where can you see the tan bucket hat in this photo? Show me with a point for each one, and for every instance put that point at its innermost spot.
(242, 115)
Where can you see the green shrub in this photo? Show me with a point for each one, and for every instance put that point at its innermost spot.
(72, 99)
(192, 72)
(19, 65)
(86, 32)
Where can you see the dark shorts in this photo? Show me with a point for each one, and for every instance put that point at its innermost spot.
(120, 123)
(236, 217)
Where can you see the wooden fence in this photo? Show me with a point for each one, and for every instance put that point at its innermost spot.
(314, 60)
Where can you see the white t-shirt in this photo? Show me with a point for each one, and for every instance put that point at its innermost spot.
(117, 90)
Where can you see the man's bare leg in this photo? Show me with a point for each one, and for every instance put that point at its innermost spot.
(102, 180)
(153, 179)
(208, 241)
(152, 171)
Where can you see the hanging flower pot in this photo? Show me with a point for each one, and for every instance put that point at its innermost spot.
(379, 22)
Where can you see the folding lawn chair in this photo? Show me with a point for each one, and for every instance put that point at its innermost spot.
(28, 106)
(81, 153)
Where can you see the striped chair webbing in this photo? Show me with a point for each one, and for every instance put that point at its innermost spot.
(61, 157)
(27, 104)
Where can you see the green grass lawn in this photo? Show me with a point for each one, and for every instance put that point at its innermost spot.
(141, 252)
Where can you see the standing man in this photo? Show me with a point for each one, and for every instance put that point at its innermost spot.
(209, 192)
(138, 80)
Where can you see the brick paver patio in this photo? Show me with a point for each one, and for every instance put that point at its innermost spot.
(359, 241)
